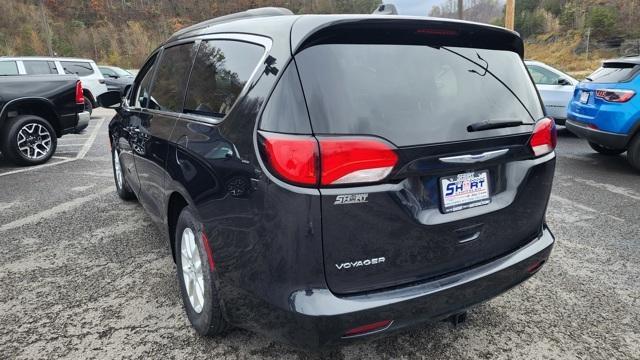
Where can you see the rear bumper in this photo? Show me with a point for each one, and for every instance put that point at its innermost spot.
(604, 138)
(318, 318)
(83, 121)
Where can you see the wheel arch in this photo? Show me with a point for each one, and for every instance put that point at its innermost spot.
(86, 92)
(175, 204)
(635, 131)
(41, 107)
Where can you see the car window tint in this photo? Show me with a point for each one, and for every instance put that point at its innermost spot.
(79, 68)
(142, 90)
(171, 80)
(387, 91)
(8, 68)
(37, 67)
(542, 76)
(220, 72)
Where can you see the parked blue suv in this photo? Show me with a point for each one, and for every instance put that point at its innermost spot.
(605, 109)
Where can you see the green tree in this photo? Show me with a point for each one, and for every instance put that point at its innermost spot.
(602, 21)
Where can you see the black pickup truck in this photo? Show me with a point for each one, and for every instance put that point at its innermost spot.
(35, 111)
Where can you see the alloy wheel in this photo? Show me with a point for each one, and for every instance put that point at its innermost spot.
(192, 270)
(34, 141)
(118, 169)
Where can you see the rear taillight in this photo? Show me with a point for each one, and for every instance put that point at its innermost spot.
(305, 160)
(615, 95)
(294, 158)
(79, 94)
(544, 138)
(348, 161)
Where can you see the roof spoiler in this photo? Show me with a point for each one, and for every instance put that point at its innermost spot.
(401, 30)
(252, 13)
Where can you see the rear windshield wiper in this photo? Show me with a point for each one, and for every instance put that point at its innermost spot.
(489, 125)
(588, 78)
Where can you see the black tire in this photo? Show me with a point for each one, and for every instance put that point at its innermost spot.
(605, 150)
(122, 187)
(633, 153)
(88, 105)
(209, 321)
(9, 139)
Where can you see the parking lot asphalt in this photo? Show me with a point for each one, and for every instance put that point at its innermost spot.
(86, 275)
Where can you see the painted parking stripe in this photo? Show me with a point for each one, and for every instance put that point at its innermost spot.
(49, 213)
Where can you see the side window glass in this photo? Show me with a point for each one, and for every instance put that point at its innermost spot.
(172, 77)
(8, 68)
(107, 72)
(220, 72)
(142, 91)
(35, 67)
(79, 68)
(543, 76)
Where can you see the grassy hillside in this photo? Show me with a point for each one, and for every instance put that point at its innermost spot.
(560, 52)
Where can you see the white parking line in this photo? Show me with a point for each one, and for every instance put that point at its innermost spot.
(66, 206)
(81, 154)
(608, 187)
(582, 207)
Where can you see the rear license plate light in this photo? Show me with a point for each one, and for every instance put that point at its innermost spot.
(463, 191)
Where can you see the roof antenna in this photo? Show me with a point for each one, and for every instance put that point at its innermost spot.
(385, 9)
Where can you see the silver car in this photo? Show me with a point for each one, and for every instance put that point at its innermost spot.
(555, 87)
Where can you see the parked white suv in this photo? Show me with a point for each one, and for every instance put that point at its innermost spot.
(93, 82)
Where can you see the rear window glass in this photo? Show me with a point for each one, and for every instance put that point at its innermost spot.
(220, 72)
(614, 73)
(412, 94)
(36, 67)
(8, 68)
(79, 68)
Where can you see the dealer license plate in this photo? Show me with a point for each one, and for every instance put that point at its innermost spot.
(465, 191)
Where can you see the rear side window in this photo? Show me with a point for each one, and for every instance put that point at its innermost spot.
(542, 76)
(107, 72)
(614, 73)
(286, 111)
(171, 80)
(412, 94)
(220, 72)
(36, 67)
(79, 68)
(8, 68)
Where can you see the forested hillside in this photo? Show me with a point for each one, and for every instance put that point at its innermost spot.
(573, 35)
(123, 32)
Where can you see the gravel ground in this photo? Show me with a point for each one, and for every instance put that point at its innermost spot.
(85, 275)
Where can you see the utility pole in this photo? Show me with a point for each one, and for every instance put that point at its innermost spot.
(461, 9)
(45, 24)
(509, 17)
(588, 40)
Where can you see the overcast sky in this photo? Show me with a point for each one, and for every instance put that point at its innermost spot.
(414, 7)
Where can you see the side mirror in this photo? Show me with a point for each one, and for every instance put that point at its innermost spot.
(114, 76)
(563, 82)
(110, 99)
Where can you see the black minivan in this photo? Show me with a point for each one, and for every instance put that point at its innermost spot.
(329, 177)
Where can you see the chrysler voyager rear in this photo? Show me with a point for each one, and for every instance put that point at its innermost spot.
(399, 173)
